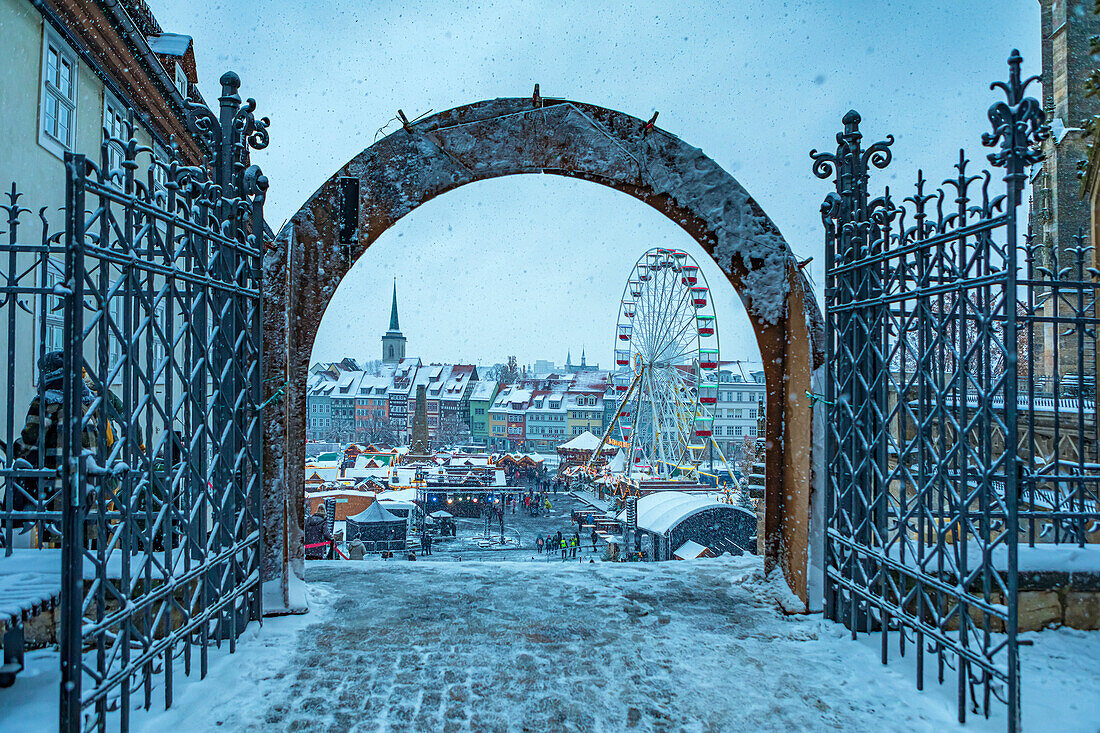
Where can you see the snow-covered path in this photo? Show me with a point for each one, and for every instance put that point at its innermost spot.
(482, 646)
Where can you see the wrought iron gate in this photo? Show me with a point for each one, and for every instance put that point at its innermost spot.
(135, 337)
(923, 474)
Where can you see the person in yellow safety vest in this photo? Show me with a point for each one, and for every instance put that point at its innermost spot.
(548, 507)
(573, 546)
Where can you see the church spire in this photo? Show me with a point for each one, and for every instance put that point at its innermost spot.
(582, 356)
(393, 342)
(394, 325)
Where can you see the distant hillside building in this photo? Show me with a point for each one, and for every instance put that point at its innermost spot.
(542, 367)
(572, 368)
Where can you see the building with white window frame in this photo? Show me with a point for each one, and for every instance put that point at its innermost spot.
(72, 74)
(741, 397)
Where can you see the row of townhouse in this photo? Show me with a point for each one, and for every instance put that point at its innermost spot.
(347, 403)
(539, 414)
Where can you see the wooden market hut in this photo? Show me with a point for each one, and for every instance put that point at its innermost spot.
(579, 450)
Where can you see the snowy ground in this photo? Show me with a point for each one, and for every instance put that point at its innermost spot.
(483, 646)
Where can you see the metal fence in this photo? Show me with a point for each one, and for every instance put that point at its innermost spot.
(134, 336)
(934, 448)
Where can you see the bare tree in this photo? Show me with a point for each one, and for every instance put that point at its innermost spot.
(341, 430)
(377, 430)
(452, 431)
(957, 335)
(510, 373)
(752, 452)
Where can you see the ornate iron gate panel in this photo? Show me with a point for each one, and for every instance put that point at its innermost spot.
(923, 475)
(161, 523)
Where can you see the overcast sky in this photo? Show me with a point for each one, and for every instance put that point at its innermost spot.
(535, 265)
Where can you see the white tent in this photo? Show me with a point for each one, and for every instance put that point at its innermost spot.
(374, 514)
(617, 464)
(662, 510)
(584, 441)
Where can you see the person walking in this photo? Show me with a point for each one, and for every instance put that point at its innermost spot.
(44, 433)
(538, 544)
(594, 538)
(317, 537)
(427, 544)
(574, 545)
(564, 549)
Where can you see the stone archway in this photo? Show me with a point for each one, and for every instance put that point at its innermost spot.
(519, 135)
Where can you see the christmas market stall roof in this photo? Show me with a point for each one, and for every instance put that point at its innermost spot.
(377, 524)
(660, 511)
(586, 441)
(465, 460)
(322, 473)
(375, 514)
(520, 459)
(691, 550)
(617, 464)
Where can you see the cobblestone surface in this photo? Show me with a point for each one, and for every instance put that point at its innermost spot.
(477, 646)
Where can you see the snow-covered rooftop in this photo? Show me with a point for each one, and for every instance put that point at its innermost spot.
(584, 441)
(689, 550)
(661, 511)
(169, 44)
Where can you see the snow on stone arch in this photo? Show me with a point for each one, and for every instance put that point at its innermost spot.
(512, 136)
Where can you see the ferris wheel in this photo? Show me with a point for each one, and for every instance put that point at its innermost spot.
(666, 349)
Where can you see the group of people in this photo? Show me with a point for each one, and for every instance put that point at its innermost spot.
(547, 485)
(568, 546)
(535, 503)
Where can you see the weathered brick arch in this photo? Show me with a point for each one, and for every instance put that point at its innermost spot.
(510, 136)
